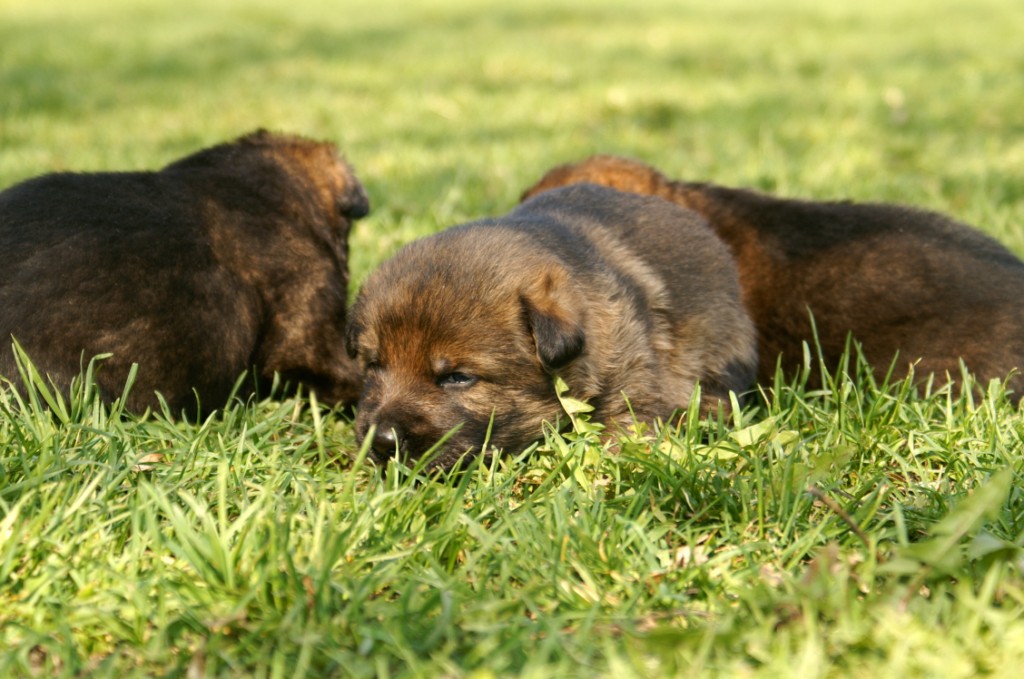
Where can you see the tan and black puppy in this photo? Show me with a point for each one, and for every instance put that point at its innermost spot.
(618, 294)
(230, 260)
(899, 279)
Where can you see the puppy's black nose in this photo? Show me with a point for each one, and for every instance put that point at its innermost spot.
(385, 441)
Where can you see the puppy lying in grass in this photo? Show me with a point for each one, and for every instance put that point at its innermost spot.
(232, 259)
(902, 281)
(620, 295)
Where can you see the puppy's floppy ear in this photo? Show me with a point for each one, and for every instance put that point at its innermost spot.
(555, 317)
(353, 203)
(352, 332)
(353, 329)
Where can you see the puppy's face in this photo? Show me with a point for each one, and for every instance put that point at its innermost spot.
(318, 200)
(455, 334)
(326, 183)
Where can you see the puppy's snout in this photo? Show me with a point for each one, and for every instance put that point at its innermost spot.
(386, 440)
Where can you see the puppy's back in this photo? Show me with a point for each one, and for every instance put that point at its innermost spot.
(900, 280)
(97, 266)
(675, 243)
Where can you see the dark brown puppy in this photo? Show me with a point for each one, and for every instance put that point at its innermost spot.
(899, 279)
(613, 292)
(233, 259)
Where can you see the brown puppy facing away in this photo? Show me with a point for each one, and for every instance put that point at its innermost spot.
(899, 279)
(232, 259)
(618, 294)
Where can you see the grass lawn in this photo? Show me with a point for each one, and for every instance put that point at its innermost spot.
(855, 531)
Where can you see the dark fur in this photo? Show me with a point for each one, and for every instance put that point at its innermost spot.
(899, 279)
(233, 259)
(615, 293)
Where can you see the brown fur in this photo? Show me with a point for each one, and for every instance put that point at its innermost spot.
(232, 259)
(615, 293)
(899, 279)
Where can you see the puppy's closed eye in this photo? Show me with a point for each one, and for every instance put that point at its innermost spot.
(456, 380)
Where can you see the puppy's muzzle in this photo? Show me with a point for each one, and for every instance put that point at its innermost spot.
(387, 438)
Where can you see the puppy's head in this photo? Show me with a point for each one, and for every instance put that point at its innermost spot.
(302, 176)
(320, 164)
(328, 182)
(284, 209)
(459, 335)
(623, 174)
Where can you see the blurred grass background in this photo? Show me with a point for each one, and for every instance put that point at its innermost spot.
(449, 108)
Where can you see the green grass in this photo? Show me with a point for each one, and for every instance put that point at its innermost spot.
(858, 531)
